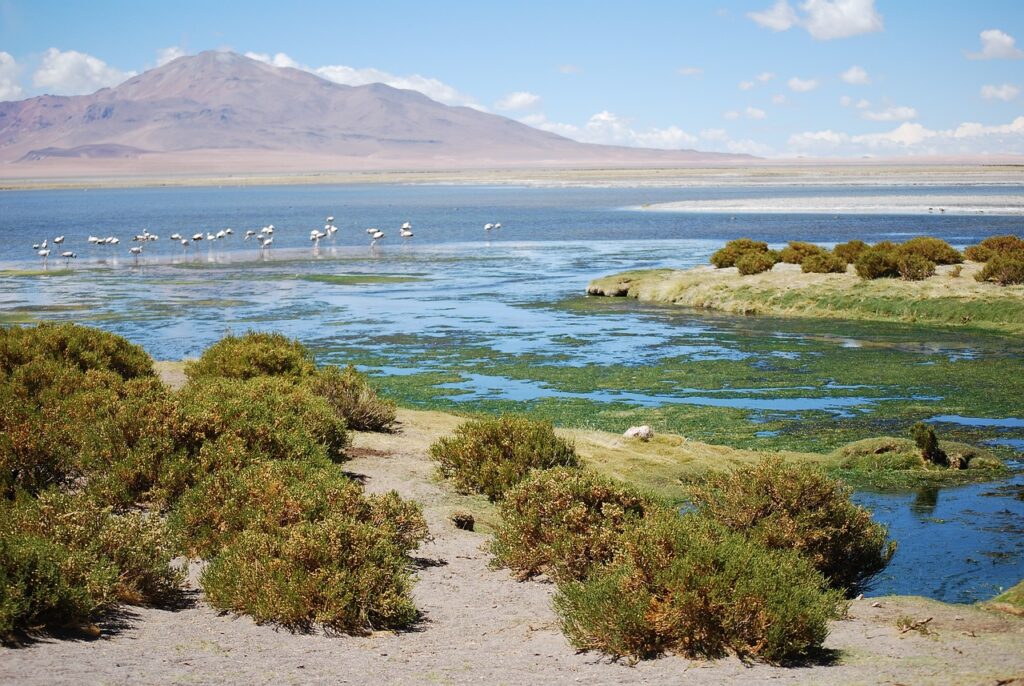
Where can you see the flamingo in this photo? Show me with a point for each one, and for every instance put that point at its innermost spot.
(376, 236)
(498, 225)
(228, 231)
(221, 234)
(111, 240)
(249, 234)
(94, 239)
(406, 230)
(197, 237)
(136, 251)
(67, 255)
(175, 236)
(488, 227)
(184, 243)
(44, 253)
(58, 240)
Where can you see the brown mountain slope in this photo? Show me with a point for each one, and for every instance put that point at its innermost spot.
(221, 111)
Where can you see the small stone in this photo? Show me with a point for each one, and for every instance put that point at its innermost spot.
(463, 520)
(644, 433)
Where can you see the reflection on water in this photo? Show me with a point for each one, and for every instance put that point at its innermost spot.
(925, 500)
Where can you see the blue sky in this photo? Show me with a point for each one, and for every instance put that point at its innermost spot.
(770, 77)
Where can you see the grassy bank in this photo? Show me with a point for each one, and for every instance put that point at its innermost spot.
(943, 300)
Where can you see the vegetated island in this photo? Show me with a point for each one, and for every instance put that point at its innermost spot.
(922, 281)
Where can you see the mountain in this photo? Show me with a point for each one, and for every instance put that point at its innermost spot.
(222, 112)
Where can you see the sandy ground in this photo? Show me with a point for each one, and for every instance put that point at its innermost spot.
(480, 626)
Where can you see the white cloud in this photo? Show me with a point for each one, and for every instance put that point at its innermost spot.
(1005, 92)
(863, 104)
(914, 138)
(517, 101)
(169, 55)
(997, 45)
(846, 101)
(746, 85)
(779, 99)
(9, 88)
(570, 69)
(899, 113)
(714, 135)
(855, 76)
(779, 17)
(75, 73)
(608, 128)
(823, 19)
(351, 76)
(802, 85)
(690, 71)
(755, 113)
(765, 76)
(731, 115)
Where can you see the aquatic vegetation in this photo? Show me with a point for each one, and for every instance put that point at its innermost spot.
(788, 507)
(563, 522)
(360, 279)
(490, 456)
(685, 585)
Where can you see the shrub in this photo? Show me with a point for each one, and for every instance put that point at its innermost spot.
(1009, 246)
(733, 250)
(492, 455)
(797, 251)
(928, 444)
(251, 355)
(563, 522)
(823, 263)
(82, 347)
(1002, 269)
(799, 508)
(353, 398)
(914, 267)
(879, 261)
(933, 249)
(685, 585)
(850, 251)
(268, 496)
(347, 575)
(756, 262)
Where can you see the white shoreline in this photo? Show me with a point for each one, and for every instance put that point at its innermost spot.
(994, 205)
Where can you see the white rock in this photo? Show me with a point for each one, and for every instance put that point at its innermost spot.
(644, 433)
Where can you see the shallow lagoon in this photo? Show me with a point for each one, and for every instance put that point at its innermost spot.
(458, 318)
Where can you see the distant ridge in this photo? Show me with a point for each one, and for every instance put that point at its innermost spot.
(222, 112)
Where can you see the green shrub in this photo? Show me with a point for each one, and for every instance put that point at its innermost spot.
(913, 267)
(1003, 269)
(1008, 246)
(798, 251)
(684, 585)
(267, 496)
(347, 575)
(879, 261)
(251, 355)
(928, 444)
(353, 398)
(932, 249)
(799, 508)
(82, 347)
(824, 263)
(850, 251)
(756, 262)
(735, 249)
(563, 522)
(492, 455)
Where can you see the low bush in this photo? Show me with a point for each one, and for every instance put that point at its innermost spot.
(564, 522)
(1004, 270)
(251, 355)
(756, 262)
(798, 251)
(932, 249)
(267, 496)
(346, 575)
(686, 585)
(81, 347)
(879, 261)
(353, 398)
(824, 263)
(928, 444)
(492, 455)
(888, 454)
(1007, 246)
(799, 508)
(850, 251)
(913, 267)
(735, 249)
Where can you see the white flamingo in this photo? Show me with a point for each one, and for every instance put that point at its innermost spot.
(135, 252)
(406, 230)
(488, 227)
(376, 236)
(228, 231)
(67, 255)
(197, 237)
(497, 225)
(175, 236)
(249, 234)
(58, 240)
(45, 254)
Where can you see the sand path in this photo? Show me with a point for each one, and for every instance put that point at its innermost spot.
(481, 626)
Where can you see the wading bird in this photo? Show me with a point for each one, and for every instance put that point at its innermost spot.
(136, 251)
(67, 255)
(58, 240)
